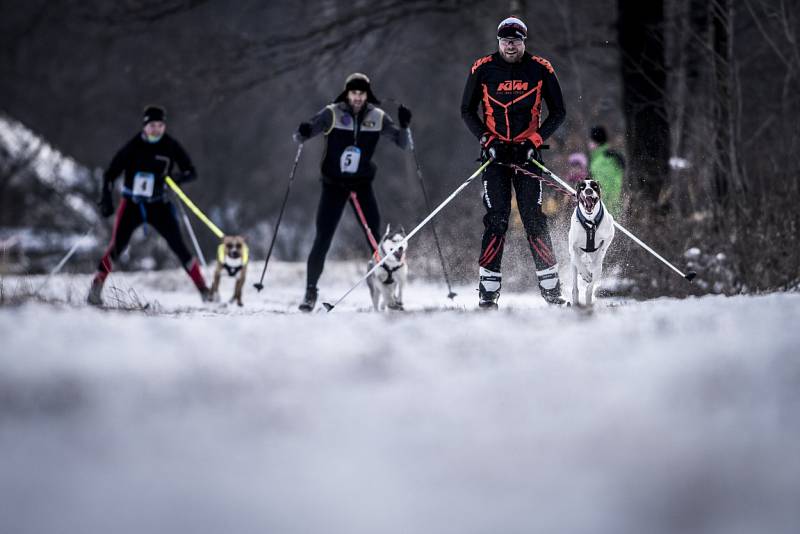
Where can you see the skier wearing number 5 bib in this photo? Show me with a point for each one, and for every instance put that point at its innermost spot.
(352, 126)
(144, 162)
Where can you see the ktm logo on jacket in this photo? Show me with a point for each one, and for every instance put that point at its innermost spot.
(512, 85)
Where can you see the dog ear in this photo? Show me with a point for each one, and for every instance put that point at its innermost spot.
(402, 230)
(388, 228)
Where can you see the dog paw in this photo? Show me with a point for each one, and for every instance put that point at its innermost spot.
(397, 306)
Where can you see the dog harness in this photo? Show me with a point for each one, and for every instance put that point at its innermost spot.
(590, 227)
(232, 270)
(389, 272)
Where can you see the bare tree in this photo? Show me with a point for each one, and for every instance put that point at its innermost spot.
(727, 175)
(644, 78)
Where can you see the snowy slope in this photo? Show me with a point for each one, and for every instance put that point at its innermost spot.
(662, 416)
(50, 167)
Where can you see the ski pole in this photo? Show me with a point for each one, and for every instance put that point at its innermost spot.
(689, 275)
(65, 259)
(193, 237)
(450, 293)
(363, 219)
(200, 215)
(260, 285)
(439, 208)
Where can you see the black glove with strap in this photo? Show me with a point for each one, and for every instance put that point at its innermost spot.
(498, 150)
(403, 116)
(106, 204)
(304, 131)
(527, 151)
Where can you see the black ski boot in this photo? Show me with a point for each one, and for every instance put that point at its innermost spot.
(206, 295)
(95, 297)
(309, 301)
(553, 296)
(487, 299)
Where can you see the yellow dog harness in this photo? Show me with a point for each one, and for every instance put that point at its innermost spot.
(233, 269)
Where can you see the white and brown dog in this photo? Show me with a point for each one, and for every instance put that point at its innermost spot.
(591, 231)
(386, 284)
(232, 256)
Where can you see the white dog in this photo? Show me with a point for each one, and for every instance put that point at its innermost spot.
(386, 284)
(590, 234)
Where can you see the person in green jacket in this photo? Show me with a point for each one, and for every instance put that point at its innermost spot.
(607, 167)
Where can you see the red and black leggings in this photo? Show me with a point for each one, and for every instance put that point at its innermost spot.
(159, 215)
(497, 183)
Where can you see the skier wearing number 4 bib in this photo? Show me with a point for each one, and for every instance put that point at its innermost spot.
(352, 126)
(144, 162)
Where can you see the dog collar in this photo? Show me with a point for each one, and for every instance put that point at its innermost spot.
(590, 226)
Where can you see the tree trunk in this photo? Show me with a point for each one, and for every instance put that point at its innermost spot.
(727, 176)
(644, 78)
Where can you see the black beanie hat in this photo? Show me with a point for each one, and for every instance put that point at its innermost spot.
(357, 82)
(512, 28)
(154, 113)
(598, 135)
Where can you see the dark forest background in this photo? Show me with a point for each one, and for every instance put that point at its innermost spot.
(715, 83)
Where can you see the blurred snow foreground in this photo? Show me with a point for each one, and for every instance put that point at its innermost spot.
(659, 417)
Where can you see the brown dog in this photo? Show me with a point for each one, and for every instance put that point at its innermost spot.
(232, 255)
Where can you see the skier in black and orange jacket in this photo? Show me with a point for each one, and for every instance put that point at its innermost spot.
(511, 85)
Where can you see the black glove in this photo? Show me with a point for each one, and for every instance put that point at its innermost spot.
(527, 152)
(403, 116)
(498, 150)
(304, 130)
(186, 176)
(106, 204)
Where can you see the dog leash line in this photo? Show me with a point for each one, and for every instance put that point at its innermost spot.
(200, 215)
(688, 276)
(440, 207)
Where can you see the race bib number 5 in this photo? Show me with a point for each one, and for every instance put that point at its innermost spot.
(351, 156)
(144, 184)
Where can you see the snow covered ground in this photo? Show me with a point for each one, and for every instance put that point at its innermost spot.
(641, 417)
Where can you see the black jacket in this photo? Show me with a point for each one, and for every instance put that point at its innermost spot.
(343, 130)
(511, 95)
(156, 159)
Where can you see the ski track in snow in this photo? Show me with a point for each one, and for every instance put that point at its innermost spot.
(643, 417)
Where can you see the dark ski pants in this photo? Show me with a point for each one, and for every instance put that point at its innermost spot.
(159, 215)
(331, 205)
(497, 183)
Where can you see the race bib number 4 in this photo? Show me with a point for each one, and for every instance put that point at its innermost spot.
(143, 184)
(351, 156)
